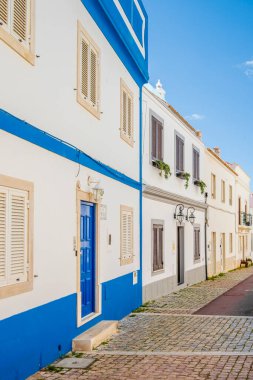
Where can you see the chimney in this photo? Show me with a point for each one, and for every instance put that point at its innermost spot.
(160, 91)
(217, 151)
(199, 134)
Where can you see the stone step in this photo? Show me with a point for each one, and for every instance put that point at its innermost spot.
(94, 336)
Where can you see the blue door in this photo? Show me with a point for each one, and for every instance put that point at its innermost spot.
(87, 258)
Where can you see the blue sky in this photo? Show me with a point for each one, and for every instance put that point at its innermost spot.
(202, 51)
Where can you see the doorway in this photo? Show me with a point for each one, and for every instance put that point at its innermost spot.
(180, 255)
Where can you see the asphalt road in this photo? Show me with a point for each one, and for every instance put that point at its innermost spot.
(237, 301)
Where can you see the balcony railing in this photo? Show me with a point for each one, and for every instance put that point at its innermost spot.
(245, 219)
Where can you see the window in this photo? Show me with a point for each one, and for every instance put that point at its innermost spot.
(231, 243)
(196, 244)
(157, 139)
(179, 154)
(213, 186)
(88, 72)
(223, 191)
(157, 246)
(16, 26)
(126, 114)
(15, 236)
(195, 154)
(230, 195)
(126, 235)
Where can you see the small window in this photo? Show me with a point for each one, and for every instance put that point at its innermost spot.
(126, 114)
(223, 191)
(195, 154)
(179, 154)
(88, 72)
(196, 244)
(213, 186)
(230, 195)
(15, 236)
(126, 233)
(16, 29)
(157, 139)
(157, 247)
(231, 243)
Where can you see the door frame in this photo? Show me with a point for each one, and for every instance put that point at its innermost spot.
(87, 197)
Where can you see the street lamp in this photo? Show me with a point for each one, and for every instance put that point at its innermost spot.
(191, 218)
(178, 215)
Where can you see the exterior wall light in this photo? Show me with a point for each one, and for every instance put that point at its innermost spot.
(179, 216)
(97, 190)
(190, 218)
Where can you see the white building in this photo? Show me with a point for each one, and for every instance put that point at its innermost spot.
(221, 216)
(243, 214)
(173, 247)
(71, 74)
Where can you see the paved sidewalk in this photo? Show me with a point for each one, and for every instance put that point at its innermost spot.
(163, 340)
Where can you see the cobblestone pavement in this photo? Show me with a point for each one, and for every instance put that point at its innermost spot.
(162, 340)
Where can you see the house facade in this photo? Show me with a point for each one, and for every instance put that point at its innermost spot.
(174, 206)
(243, 214)
(70, 172)
(221, 215)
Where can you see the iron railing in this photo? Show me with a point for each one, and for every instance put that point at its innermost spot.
(245, 219)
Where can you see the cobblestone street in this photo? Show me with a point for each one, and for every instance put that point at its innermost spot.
(163, 340)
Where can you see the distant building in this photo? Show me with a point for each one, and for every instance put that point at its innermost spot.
(173, 203)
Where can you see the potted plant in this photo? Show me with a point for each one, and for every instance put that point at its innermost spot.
(200, 184)
(163, 167)
(186, 176)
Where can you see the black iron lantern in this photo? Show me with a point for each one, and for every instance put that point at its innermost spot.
(190, 217)
(179, 216)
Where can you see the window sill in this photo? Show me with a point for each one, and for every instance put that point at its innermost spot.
(180, 175)
(15, 289)
(157, 272)
(6, 37)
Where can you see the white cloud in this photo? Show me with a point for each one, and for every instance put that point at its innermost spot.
(249, 63)
(247, 68)
(195, 116)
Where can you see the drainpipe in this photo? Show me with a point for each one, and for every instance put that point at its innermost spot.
(206, 196)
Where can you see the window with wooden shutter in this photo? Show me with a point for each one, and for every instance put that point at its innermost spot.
(16, 26)
(213, 186)
(230, 195)
(179, 154)
(195, 164)
(126, 235)
(88, 72)
(15, 236)
(126, 114)
(223, 191)
(230, 243)
(157, 139)
(196, 244)
(157, 246)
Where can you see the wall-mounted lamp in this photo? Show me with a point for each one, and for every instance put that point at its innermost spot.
(97, 190)
(179, 216)
(190, 217)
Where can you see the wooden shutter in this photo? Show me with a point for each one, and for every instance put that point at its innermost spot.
(153, 143)
(179, 154)
(160, 253)
(126, 235)
(124, 112)
(159, 141)
(4, 12)
(3, 231)
(20, 19)
(157, 247)
(196, 244)
(195, 164)
(17, 236)
(126, 115)
(84, 68)
(93, 77)
(130, 118)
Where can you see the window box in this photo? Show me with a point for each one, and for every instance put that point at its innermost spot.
(186, 176)
(201, 184)
(163, 167)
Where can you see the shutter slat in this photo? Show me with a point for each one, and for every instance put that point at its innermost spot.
(84, 68)
(20, 19)
(4, 5)
(18, 228)
(3, 228)
(93, 77)
(126, 236)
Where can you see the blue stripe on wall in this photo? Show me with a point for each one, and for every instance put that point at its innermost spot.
(22, 129)
(35, 338)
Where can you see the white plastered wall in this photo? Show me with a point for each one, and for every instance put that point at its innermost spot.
(55, 227)
(44, 95)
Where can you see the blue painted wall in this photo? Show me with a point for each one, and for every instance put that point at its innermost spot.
(33, 339)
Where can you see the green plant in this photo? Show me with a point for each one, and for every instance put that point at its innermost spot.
(186, 177)
(163, 168)
(202, 186)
